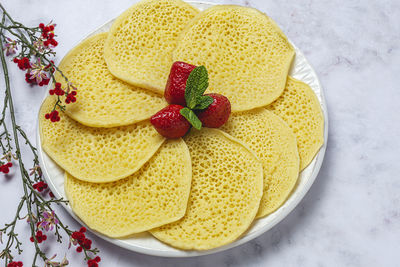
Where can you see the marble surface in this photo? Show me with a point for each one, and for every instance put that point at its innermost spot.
(351, 215)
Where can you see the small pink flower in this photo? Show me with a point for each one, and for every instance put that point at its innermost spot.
(10, 47)
(71, 86)
(36, 170)
(38, 71)
(64, 262)
(49, 220)
(50, 263)
(28, 218)
(72, 241)
(39, 45)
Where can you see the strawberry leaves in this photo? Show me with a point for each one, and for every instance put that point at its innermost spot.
(196, 85)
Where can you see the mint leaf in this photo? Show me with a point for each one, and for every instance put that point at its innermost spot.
(203, 102)
(196, 85)
(191, 117)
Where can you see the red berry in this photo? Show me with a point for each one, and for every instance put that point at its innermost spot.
(15, 264)
(5, 169)
(41, 26)
(40, 186)
(59, 91)
(23, 63)
(28, 78)
(87, 243)
(216, 114)
(45, 81)
(92, 263)
(175, 89)
(78, 236)
(170, 123)
(53, 42)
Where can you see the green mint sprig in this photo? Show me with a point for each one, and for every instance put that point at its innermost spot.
(191, 117)
(196, 85)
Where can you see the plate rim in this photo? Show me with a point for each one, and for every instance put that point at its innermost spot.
(282, 212)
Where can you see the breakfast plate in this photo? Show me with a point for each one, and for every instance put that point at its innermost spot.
(146, 243)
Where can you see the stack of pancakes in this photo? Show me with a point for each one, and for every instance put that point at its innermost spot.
(205, 189)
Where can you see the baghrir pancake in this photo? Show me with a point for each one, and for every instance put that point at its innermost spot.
(276, 146)
(155, 195)
(247, 55)
(299, 107)
(227, 185)
(103, 100)
(97, 154)
(139, 46)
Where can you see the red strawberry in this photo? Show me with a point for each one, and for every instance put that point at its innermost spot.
(175, 89)
(216, 114)
(170, 123)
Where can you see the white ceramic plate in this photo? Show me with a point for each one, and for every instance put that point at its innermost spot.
(145, 243)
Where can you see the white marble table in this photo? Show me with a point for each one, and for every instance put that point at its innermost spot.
(351, 215)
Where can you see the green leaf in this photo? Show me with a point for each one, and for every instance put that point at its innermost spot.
(191, 117)
(196, 85)
(203, 102)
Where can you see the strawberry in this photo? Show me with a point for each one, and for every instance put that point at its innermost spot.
(175, 89)
(169, 122)
(216, 114)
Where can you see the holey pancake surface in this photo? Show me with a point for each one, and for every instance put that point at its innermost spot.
(139, 46)
(299, 107)
(97, 154)
(227, 185)
(275, 144)
(246, 54)
(103, 100)
(157, 194)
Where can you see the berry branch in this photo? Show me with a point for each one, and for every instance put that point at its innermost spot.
(37, 200)
(36, 44)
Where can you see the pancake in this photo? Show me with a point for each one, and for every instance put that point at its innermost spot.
(246, 54)
(103, 100)
(157, 194)
(275, 144)
(225, 195)
(300, 109)
(97, 154)
(139, 46)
